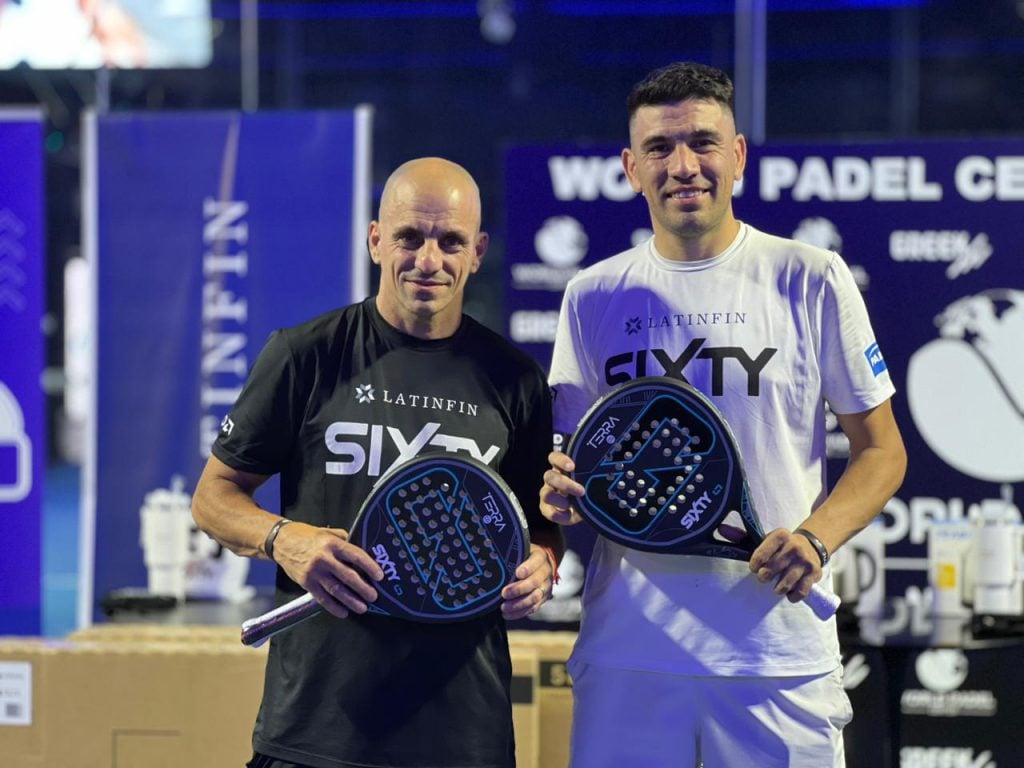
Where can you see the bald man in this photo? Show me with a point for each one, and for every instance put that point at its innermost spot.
(352, 688)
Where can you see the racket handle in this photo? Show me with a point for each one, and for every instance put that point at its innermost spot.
(822, 602)
(258, 630)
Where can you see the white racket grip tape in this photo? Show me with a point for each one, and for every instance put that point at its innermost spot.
(822, 602)
(259, 629)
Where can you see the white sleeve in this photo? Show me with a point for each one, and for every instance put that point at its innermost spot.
(572, 377)
(854, 374)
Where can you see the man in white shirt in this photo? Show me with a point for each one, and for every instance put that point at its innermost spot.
(684, 660)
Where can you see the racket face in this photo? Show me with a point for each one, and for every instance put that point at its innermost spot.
(660, 469)
(448, 533)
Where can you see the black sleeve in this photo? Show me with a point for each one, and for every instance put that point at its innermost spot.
(259, 432)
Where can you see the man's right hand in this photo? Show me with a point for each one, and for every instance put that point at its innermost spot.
(557, 490)
(336, 572)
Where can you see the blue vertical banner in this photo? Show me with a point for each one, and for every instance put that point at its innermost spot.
(210, 231)
(22, 357)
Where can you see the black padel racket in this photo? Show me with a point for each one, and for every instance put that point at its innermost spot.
(662, 472)
(448, 533)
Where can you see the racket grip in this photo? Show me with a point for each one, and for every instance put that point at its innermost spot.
(259, 629)
(822, 602)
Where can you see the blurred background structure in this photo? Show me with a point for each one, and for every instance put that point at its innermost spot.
(466, 80)
(889, 130)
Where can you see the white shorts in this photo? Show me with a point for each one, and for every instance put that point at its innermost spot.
(651, 720)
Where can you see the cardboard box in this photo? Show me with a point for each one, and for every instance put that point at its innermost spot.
(178, 633)
(151, 696)
(525, 712)
(555, 690)
(156, 704)
(22, 732)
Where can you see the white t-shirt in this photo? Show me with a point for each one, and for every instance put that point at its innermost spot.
(770, 329)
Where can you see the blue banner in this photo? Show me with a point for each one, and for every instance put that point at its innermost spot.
(931, 231)
(211, 230)
(22, 356)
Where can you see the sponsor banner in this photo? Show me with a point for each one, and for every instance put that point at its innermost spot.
(930, 232)
(566, 207)
(22, 356)
(955, 704)
(210, 231)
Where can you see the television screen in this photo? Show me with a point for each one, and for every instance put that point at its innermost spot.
(89, 34)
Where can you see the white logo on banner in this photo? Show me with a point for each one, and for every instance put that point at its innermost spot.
(17, 442)
(942, 671)
(533, 326)
(638, 236)
(945, 757)
(12, 276)
(977, 361)
(963, 252)
(587, 178)
(561, 242)
(855, 671)
(819, 231)
(888, 179)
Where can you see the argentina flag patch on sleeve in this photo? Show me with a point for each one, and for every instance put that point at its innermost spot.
(875, 359)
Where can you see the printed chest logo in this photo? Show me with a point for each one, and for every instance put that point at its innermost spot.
(366, 452)
(364, 393)
(635, 364)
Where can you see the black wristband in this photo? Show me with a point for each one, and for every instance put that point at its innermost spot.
(268, 543)
(816, 543)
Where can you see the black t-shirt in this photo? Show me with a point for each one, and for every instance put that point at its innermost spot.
(331, 405)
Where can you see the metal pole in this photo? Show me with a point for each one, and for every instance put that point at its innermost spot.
(905, 93)
(102, 90)
(250, 55)
(751, 67)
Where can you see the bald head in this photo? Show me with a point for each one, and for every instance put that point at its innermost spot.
(427, 242)
(431, 177)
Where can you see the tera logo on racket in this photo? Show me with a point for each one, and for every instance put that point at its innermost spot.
(380, 554)
(603, 434)
(494, 516)
(626, 366)
(369, 457)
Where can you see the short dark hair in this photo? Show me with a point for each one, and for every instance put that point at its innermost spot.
(681, 81)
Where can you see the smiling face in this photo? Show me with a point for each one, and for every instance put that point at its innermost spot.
(427, 242)
(684, 158)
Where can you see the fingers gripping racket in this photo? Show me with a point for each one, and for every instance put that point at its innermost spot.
(662, 472)
(447, 532)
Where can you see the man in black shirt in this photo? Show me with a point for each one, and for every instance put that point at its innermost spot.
(330, 405)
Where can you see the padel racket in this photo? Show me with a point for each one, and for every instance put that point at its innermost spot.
(447, 532)
(662, 472)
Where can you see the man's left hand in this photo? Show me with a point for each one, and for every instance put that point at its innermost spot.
(532, 587)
